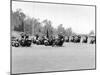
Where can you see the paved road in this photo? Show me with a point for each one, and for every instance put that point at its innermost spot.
(47, 58)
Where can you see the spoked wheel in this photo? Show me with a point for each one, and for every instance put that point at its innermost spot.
(28, 43)
(12, 43)
(46, 43)
(16, 44)
(92, 41)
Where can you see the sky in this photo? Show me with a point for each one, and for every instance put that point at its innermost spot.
(80, 18)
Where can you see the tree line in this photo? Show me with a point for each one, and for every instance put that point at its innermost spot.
(32, 26)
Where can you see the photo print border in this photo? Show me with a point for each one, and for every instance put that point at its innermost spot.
(57, 4)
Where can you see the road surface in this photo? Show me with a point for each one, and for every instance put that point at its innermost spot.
(38, 58)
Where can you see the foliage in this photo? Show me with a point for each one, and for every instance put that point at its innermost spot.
(69, 32)
(47, 29)
(21, 23)
(91, 32)
(18, 20)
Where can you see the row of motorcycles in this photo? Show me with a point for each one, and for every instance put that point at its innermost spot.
(25, 41)
(78, 39)
(49, 41)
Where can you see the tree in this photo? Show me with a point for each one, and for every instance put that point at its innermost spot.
(48, 29)
(36, 27)
(61, 30)
(69, 32)
(28, 26)
(18, 20)
(91, 32)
